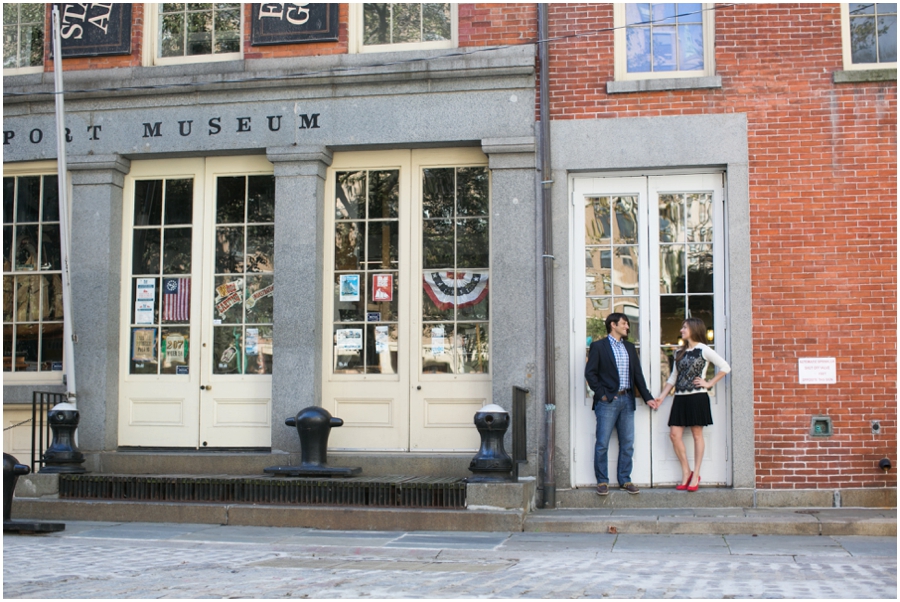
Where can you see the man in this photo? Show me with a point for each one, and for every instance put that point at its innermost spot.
(612, 372)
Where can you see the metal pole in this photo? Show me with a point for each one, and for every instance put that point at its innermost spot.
(548, 481)
(68, 333)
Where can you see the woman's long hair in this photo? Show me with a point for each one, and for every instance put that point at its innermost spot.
(697, 329)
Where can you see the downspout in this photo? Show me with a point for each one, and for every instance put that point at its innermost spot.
(547, 497)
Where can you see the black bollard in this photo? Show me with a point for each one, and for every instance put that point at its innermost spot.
(491, 464)
(313, 425)
(12, 470)
(62, 456)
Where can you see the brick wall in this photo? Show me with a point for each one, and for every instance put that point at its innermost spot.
(823, 194)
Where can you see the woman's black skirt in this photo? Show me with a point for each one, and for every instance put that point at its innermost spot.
(691, 410)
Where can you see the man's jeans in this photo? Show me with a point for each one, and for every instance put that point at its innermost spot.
(619, 415)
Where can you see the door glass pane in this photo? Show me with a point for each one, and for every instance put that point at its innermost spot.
(366, 280)
(242, 309)
(456, 258)
(162, 288)
(612, 271)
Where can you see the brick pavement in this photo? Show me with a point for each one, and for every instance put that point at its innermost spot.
(200, 561)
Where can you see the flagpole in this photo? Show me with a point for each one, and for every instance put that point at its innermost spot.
(64, 247)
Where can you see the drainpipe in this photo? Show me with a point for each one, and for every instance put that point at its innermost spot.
(547, 495)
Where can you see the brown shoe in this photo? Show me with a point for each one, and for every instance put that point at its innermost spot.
(630, 488)
(602, 488)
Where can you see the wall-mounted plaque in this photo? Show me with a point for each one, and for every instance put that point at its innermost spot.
(293, 23)
(95, 29)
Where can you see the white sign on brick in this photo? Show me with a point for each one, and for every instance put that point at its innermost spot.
(817, 370)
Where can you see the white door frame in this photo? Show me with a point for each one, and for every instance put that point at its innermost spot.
(653, 450)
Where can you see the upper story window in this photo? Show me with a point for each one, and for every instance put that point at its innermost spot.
(193, 32)
(654, 41)
(387, 27)
(32, 279)
(23, 36)
(870, 35)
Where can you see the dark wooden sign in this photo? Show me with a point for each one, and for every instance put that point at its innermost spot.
(273, 23)
(95, 29)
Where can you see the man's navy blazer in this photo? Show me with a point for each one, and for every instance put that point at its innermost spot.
(602, 375)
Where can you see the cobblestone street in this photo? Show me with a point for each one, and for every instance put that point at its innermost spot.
(129, 560)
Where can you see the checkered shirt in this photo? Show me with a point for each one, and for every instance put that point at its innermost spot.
(621, 354)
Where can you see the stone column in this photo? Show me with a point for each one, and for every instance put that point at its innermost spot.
(514, 286)
(96, 273)
(299, 238)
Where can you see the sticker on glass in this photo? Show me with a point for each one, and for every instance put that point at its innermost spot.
(251, 347)
(437, 341)
(349, 339)
(143, 344)
(175, 349)
(381, 339)
(382, 287)
(145, 289)
(143, 312)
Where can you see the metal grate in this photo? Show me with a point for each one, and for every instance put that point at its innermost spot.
(384, 492)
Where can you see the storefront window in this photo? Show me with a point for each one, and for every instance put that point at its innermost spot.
(32, 275)
(199, 29)
(23, 35)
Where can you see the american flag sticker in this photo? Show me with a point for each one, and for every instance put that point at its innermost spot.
(176, 299)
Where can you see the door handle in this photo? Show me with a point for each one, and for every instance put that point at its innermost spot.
(207, 388)
(418, 387)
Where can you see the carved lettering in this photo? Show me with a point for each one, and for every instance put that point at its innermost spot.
(36, 133)
(181, 128)
(243, 124)
(307, 122)
(273, 127)
(152, 131)
(7, 136)
(93, 129)
(214, 123)
(68, 135)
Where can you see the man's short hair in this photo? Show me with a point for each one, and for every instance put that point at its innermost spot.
(614, 318)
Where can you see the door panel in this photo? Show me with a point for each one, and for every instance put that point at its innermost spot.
(650, 247)
(406, 361)
(196, 352)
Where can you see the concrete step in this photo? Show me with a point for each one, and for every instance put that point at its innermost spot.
(713, 521)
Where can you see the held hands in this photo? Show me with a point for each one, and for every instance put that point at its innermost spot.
(655, 403)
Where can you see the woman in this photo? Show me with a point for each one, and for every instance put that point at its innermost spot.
(690, 407)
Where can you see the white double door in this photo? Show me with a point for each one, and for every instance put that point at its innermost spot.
(653, 249)
(196, 303)
(406, 303)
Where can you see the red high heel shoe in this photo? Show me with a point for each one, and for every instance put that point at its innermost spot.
(685, 486)
(695, 487)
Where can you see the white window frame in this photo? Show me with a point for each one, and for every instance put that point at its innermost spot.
(356, 35)
(621, 55)
(51, 377)
(150, 48)
(849, 65)
(30, 69)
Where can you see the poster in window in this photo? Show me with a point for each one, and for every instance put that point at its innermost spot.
(95, 29)
(382, 287)
(349, 339)
(293, 23)
(349, 290)
(143, 344)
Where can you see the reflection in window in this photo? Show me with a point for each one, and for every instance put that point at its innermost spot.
(664, 37)
(873, 32)
(611, 262)
(199, 29)
(23, 35)
(32, 276)
(385, 24)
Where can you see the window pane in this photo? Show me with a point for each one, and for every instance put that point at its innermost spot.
(28, 199)
(690, 47)
(629, 306)
(376, 24)
(472, 191)
(379, 307)
(384, 194)
(228, 350)
(437, 297)
(472, 243)
(260, 248)
(597, 310)
(350, 201)
(229, 299)
(261, 199)
(349, 243)
(699, 217)
(887, 38)
(8, 298)
(51, 199)
(148, 202)
(863, 40)
(179, 201)
(625, 271)
(664, 49)
(7, 248)
(258, 348)
(671, 317)
(349, 298)
(146, 250)
(229, 250)
(27, 247)
(260, 290)
(625, 226)
(438, 195)
(637, 40)
(690, 13)
(50, 253)
(230, 200)
(598, 272)
(144, 351)
(700, 268)
(171, 35)
(436, 22)
(437, 243)
(177, 251)
(348, 349)
(472, 296)
(638, 12)
(27, 347)
(175, 352)
(474, 348)
(671, 218)
(9, 199)
(598, 229)
(145, 300)
(383, 245)
(438, 348)
(381, 348)
(671, 269)
(407, 23)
